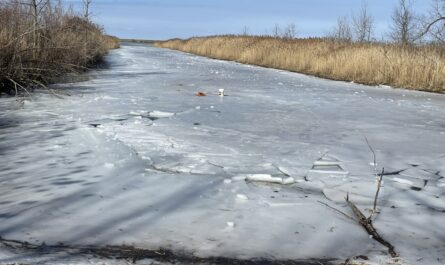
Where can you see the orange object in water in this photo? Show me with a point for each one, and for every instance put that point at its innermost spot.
(200, 94)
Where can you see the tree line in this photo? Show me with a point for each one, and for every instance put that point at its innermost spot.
(406, 27)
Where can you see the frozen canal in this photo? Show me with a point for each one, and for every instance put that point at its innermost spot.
(133, 157)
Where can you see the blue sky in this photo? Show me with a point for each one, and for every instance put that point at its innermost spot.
(164, 19)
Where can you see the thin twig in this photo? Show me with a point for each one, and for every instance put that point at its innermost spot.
(379, 185)
(17, 84)
(368, 226)
(373, 154)
(338, 211)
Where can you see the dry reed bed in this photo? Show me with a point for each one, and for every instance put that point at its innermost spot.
(414, 67)
(33, 52)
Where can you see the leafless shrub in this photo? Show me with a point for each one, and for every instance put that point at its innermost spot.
(245, 31)
(41, 39)
(290, 31)
(342, 31)
(363, 24)
(404, 27)
(276, 31)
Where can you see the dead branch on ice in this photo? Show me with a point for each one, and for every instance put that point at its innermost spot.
(379, 185)
(366, 223)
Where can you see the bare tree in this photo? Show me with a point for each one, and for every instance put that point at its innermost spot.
(86, 9)
(363, 24)
(290, 32)
(86, 15)
(342, 31)
(404, 27)
(36, 7)
(276, 31)
(434, 23)
(245, 31)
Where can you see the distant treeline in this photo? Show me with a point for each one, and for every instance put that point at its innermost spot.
(412, 55)
(42, 39)
(138, 41)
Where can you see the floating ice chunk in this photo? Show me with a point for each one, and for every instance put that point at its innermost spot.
(288, 181)
(227, 181)
(242, 197)
(327, 160)
(268, 178)
(329, 170)
(230, 224)
(263, 177)
(328, 165)
(160, 114)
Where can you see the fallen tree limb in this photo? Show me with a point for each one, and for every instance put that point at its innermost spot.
(366, 223)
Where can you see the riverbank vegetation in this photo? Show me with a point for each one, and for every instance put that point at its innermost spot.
(43, 39)
(413, 67)
(412, 56)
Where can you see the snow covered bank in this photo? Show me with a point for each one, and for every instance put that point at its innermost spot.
(157, 167)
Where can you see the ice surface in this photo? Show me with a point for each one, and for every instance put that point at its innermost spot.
(133, 157)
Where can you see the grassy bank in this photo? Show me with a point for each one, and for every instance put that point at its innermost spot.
(419, 67)
(41, 43)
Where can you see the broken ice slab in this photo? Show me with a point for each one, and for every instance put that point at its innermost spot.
(408, 182)
(328, 165)
(152, 114)
(332, 169)
(270, 179)
(420, 173)
(241, 197)
(160, 114)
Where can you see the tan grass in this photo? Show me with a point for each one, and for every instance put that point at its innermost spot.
(419, 67)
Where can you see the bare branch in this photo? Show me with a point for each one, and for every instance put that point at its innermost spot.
(338, 211)
(379, 185)
(368, 226)
(373, 153)
(429, 26)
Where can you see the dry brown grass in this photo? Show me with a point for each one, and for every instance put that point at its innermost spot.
(32, 54)
(419, 67)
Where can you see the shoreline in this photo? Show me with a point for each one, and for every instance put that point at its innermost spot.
(366, 64)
